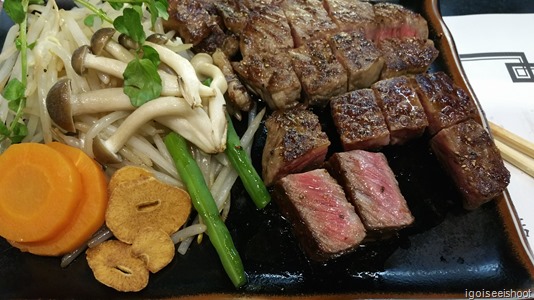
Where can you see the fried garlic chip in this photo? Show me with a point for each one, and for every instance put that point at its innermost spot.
(114, 266)
(154, 247)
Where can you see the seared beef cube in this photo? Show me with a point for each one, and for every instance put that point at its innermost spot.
(322, 219)
(271, 76)
(359, 56)
(350, 15)
(308, 20)
(371, 187)
(267, 31)
(359, 120)
(404, 114)
(237, 93)
(469, 155)
(444, 102)
(321, 75)
(396, 21)
(190, 19)
(295, 142)
(406, 56)
(197, 23)
(234, 14)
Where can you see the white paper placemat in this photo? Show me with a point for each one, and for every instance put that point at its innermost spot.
(497, 54)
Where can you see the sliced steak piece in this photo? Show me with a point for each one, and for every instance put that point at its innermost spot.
(320, 73)
(308, 20)
(271, 76)
(359, 120)
(396, 21)
(406, 56)
(266, 31)
(469, 155)
(234, 14)
(351, 15)
(295, 142)
(238, 95)
(404, 114)
(444, 102)
(371, 187)
(359, 56)
(322, 219)
(197, 23)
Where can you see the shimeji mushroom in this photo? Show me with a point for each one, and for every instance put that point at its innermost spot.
(105, 151)
(82, 60)
(186, 73)
(203, 64)
(102, 40)
(62, 104)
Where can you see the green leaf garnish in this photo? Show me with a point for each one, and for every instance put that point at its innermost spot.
(15, 10)
(142, 82)
(130, 24)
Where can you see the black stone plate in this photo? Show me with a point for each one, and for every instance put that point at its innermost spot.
(447, 253)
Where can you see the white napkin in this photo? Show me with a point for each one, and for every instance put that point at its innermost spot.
(497, 54)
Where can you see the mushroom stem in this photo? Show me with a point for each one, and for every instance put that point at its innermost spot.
(102, 39)
(105, 151)
(203, 64)
(190, 83)
(83, 59)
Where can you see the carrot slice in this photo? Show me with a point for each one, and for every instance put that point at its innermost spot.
(39, 191)
(89, 216)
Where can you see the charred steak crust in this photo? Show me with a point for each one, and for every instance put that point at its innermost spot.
(444, 102)
(371, 187)
(323, 221)
(295, 142)
(406, 56)
(359, 120)
(399, 102)
(471, 158)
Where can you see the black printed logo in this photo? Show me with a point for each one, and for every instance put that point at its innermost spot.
(516, 63)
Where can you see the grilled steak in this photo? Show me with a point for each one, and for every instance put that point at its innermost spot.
(308, 20)
(359, 120)
(271, 77)
(197, 23)
(405, 117)
(320, 73)
(469, 155)
(445, 103)
(238, 95)
(266, 32)
(406, 56)
(359, 56)
(322, 219)
(351, 15)
(295, 142)
(396, 21)
(371, 187)
(234, 14)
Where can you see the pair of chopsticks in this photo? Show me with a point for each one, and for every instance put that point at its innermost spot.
(514, 149)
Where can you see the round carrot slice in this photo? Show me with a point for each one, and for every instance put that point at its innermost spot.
(87, 218)
(39, 191)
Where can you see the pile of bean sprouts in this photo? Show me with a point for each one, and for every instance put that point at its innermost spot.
(56, 33)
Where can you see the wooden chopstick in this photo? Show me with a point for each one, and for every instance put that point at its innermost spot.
(513, 140)
(514, 149)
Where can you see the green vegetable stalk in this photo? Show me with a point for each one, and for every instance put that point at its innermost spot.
(207, 209)
(241, 162)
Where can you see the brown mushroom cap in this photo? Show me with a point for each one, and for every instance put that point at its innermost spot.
(59, 104)
(147, 203)
(100, 39)
(114, 266)
(157, 38)
(154, 247)
(102, 153)
(127, 42)
(78, 59)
